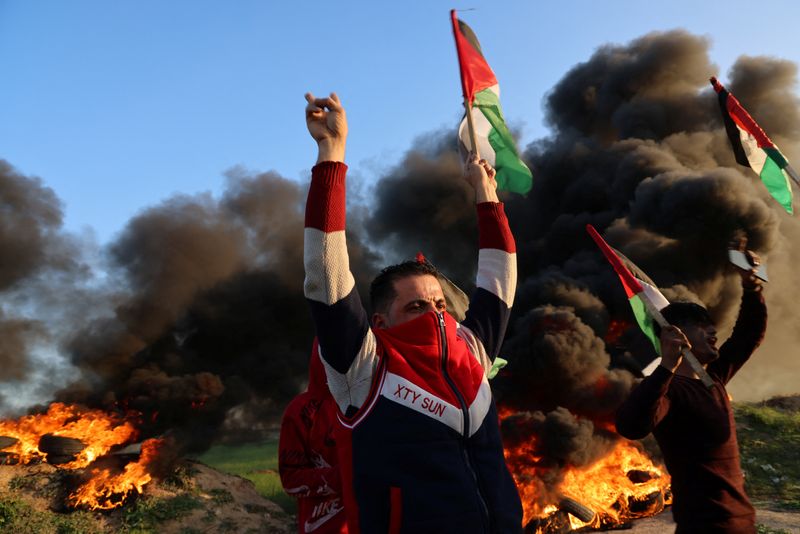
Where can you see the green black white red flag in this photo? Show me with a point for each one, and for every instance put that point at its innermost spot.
(482, 99)
(636, 289)
(646, 302)
(753, 148)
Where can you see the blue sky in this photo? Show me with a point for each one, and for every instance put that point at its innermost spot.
(119, 105)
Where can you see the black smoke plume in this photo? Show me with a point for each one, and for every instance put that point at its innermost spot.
(39, 265)
(212, 317)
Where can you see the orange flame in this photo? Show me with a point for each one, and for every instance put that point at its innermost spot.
(97, 429)
(99, 432)
(606, 487)
(106, 490)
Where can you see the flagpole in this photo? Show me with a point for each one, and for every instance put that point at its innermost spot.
(471, 127)
(688, 355)
(793, 174)
(650, 306)
(467, 102)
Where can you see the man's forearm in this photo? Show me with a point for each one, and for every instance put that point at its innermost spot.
(329, 286)
(748, 332)
(646, 406)
(346, 344)
(490, 305)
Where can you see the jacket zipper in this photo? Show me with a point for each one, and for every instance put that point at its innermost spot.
(464, 412)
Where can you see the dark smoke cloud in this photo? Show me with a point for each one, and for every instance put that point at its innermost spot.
(16, 336)
(423, 205)
(767, 88)
(199, 309)
(34, 252)
(638, 151)
(30, 221)
(211, 316)
(559, 361)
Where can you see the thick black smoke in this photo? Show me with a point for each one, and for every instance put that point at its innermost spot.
(422, 205)
(34, 252)
(212, 316)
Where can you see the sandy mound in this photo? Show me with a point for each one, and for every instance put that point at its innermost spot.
(195, 499)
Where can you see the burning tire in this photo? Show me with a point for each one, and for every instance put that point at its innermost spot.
(8, 458)
(573, 507)
(60, 449)
(7, 441)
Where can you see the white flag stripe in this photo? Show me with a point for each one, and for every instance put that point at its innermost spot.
(652, 366)
(655, 296)
(755, 155)
(482, 128)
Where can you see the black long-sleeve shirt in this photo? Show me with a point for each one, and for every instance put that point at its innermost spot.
(695, 429)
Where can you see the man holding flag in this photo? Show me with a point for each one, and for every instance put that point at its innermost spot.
(694, 424)
(419, 446)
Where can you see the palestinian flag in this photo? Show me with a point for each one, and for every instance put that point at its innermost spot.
(482, 93)
(752, 148)
(637, 288)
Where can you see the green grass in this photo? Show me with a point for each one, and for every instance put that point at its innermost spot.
(769, 443)
(764, 529)
(147, 514)
(19, 517)
(257, 462)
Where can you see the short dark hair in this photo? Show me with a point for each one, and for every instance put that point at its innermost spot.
(685, 314)
(381, 290)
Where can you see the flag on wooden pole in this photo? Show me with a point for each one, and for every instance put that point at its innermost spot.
(483, 128)
(753, 148)
(646, 302)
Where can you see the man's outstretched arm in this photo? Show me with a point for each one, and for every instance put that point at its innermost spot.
(490, 305)
(751, 324)
(347, 346)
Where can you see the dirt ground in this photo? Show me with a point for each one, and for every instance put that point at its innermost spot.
(663, 524)
(230, 504)
(218, 503)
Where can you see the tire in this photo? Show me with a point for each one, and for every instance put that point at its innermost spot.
(577, 509)
(7, 441)
(60, 445)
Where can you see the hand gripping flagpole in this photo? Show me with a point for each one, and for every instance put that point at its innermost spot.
(687, 354)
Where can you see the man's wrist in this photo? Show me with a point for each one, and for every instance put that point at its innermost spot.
(485, 192)
(670, 368)
(331, 150)
(752, 287)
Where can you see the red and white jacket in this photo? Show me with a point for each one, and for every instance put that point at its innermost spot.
(419, 447)
(307, 458)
